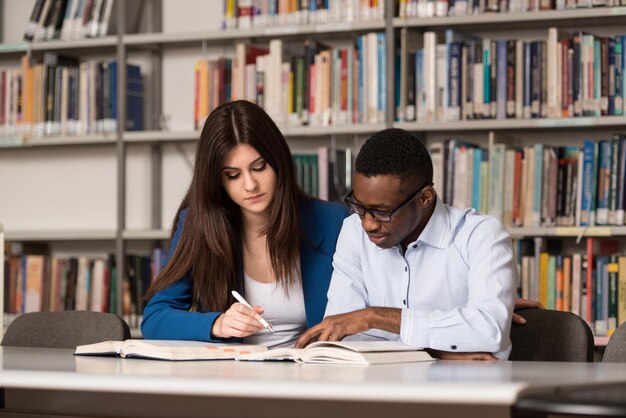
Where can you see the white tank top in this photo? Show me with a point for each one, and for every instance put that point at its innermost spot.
(284, 311)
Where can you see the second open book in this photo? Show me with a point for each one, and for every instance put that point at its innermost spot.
(336, 352)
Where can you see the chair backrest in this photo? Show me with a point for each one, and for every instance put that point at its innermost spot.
(551, 336)
(1, 279)
(65, 329)
(616, 348)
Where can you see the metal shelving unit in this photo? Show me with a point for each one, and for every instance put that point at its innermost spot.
(514, 124)
(518, 20)
(564, 231)
(186, 38)
(61, 235)
(155, 41)
(146, 234)
(19, 143)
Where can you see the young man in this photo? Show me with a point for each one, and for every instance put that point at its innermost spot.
(409, 267)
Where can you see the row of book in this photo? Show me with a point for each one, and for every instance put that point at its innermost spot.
(68, 19)
(62, 96)
(246, 14)
(466, 77)
(322, 86)
(326, 174)
(441, 8)
(536, 185)
(590, 283)
(43, 283)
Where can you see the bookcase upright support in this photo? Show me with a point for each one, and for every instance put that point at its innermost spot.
(120, 244)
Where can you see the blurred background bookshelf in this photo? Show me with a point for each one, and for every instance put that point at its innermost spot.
(111, 193)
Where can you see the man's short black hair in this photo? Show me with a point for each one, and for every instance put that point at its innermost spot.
(395, 151)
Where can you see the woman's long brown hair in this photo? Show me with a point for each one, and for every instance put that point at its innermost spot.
(211, 241)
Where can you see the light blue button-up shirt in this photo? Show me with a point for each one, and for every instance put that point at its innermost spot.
(455, 284)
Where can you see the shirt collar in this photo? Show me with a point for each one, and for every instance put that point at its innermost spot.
(437, 229)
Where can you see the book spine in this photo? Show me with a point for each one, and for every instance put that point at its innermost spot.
(454, 81)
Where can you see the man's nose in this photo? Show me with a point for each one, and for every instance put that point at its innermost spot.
(369, 223)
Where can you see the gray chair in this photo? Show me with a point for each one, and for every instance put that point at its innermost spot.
(615, 351)
(551, 336)
(65, 329)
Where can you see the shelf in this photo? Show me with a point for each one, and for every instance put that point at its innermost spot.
(601, 340)
(514, 124)
(146, 234)
(61, 235)
(86, 235)
(531, 20)
(150, 39)
(563, 231)
(17, 143)
(160, 136)
(20, 48)
(289, 132)
(17, 48)
(304, 131)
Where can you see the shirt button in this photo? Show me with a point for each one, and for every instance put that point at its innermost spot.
(414, 245)
(453, 347)
(404, 302)
(406, 269)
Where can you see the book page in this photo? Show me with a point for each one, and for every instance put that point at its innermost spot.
(105, 347)
(169, 349)
(326, 354)
(186, 350)
(364, 346)
(276, 354)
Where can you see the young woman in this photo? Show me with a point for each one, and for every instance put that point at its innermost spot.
(244, 225)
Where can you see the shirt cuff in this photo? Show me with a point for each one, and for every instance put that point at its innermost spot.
(414, 328)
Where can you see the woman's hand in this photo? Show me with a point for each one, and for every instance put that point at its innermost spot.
(238, 321)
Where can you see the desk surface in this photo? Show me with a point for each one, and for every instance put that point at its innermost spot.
(498, 383)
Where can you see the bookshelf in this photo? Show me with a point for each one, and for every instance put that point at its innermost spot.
(509, 131)
(165, 54)
(154, 146)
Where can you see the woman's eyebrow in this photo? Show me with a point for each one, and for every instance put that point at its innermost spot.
(237, 168)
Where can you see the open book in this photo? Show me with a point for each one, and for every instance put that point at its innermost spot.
(344, 352)
(168, 349)
(333, 352)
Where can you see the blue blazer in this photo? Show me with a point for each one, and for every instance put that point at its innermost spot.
(167, 314)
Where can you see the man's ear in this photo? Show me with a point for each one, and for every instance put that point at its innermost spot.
(428, 196)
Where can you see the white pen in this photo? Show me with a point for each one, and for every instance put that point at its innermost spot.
(241, 300)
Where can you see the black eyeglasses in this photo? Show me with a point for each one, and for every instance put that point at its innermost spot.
(380, 215)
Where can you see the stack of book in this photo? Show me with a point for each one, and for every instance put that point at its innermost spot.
(62, 96)
(465, 77)
(68, 19)
(322, 86)
(45, 283)
(245, 14)
(537, 185)
(440, 8)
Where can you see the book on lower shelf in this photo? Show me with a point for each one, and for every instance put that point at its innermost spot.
(329, 352)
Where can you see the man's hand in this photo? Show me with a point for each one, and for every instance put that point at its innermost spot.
(521, 303)
(238, 321)
(337, 327)
(447, 355)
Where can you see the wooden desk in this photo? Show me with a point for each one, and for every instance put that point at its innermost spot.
(53, 381)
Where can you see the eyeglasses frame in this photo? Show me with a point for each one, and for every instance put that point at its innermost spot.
(372, 212)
